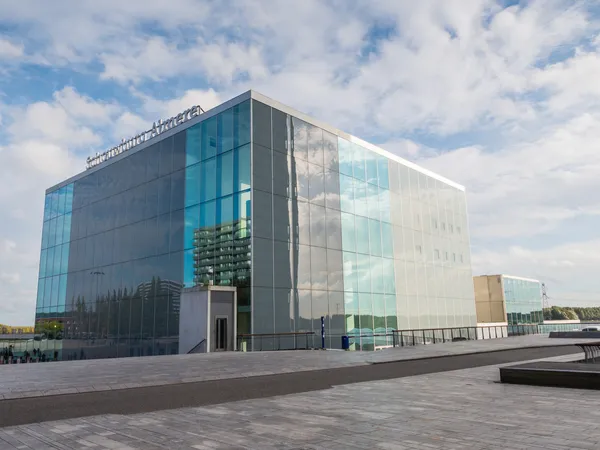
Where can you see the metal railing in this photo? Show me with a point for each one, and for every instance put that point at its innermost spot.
(199, 347)
(379, 340)
(591, 352)
(301, 340)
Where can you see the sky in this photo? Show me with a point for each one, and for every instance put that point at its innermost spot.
(502, 97)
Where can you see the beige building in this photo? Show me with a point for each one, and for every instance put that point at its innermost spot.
(489, 299)
(506, 298)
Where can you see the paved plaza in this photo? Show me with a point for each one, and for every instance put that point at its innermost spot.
(465, 409)
(68, 377)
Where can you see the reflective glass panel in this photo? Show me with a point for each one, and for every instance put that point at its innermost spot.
(208, 135)
(362, 234)
(225, 174)
(193, 145)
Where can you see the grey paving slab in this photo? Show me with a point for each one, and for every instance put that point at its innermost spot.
(464, 409)
(27, 380)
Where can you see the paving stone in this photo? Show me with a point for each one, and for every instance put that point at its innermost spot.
(464, 409)
(23, 380)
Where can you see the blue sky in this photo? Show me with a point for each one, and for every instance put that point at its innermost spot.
(500, 96)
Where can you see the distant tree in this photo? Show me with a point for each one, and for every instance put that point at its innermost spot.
(572, 313)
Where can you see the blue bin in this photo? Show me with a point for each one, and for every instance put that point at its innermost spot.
(345, 343)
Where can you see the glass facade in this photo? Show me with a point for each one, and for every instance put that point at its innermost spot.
(305, 222)
(523, 300)
(340, 231)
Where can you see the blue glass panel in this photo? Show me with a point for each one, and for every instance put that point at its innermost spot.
(375, 237)
(45, 234)
(47, 292)
(387, 240)
(209, 138)
(348, 233)
(60, 222)
(193, 186)
(224, 211)
(209, 180)
(225, 174)
(346, 194)
(192, 223)
(66, 237)
(188, 268)
(177, 190)
(241, 168)
(64, 261)
(47, 206)
(361, 206)
(43, 256)
(53, 204)
(350, 272)
(225, 131)
(358, 162)
(57, 260)
(50, 262)
(382, 167)
(345, 156)
(62, 292)
(208, 214)
(373, 201)
(371, 160)
(362, 234)
(69, 198)
(40, 294)
(54, 295)
(193, 145)
(52, 233)
(62, 200)
(242, 205)
(241, 123)
(363, 265)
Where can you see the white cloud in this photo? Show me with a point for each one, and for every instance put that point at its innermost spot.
(8, 50)
(517, 84)
(47, 143)
(10, 278)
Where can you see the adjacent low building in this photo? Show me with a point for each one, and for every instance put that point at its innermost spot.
(506, 298)
(303, 220)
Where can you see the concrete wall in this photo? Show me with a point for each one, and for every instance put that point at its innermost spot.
(489, 299)
(192, 319)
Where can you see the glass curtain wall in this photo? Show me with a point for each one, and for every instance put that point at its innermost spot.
(523, 301)
(217, 206)
(171, 214)
(54, 265)
(342, 232)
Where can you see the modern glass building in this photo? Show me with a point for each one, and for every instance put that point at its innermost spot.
(523, 298)
(501, 298)
(304, 220)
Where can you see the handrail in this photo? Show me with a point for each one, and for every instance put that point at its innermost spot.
(241, 338)
(193, 350)
(591, 351)
(287, 333)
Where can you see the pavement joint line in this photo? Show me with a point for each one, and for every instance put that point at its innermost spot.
(22, 395)
(496, 350)
(216, 392)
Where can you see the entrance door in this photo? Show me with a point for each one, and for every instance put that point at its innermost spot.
(220, 334)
